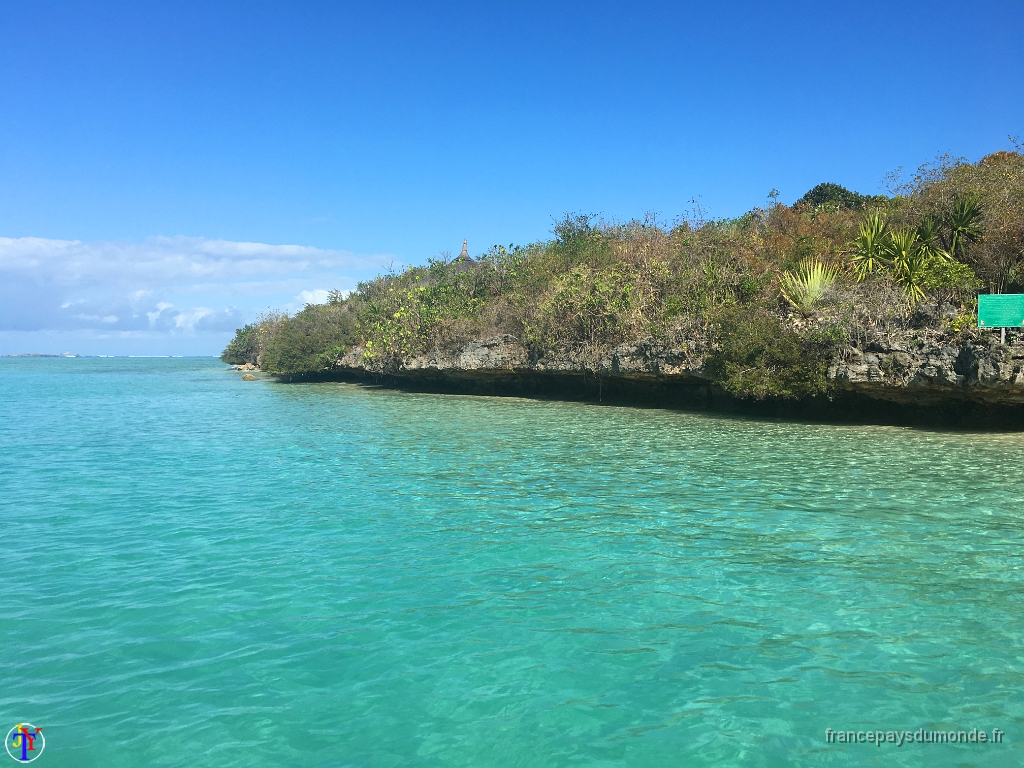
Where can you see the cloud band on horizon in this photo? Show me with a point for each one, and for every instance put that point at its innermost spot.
(165, 285)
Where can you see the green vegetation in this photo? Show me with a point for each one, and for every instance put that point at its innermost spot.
(314, 339)
(760, 357)
(250, 342)
(867, 248)
(809, 285)
(773, 293)
(914, 257)
(829, 196)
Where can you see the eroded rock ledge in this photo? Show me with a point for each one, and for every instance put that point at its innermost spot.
(919, 377)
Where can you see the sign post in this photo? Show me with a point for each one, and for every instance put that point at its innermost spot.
(1002, 311)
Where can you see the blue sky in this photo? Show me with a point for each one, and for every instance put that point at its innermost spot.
(220, 158)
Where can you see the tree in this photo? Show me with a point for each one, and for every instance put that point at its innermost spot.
(830, 195)
(313, 340)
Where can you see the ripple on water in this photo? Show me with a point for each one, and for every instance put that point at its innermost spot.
(199, 571)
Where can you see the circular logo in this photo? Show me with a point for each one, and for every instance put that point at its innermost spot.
(25, 742)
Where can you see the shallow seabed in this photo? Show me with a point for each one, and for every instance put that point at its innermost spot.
(208, 572)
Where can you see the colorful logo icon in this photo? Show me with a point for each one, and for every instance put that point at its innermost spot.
(25, 742)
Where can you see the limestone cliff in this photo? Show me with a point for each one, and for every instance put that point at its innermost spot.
(909, 376)
(926, 368)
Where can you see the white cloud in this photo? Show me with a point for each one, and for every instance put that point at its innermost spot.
(189, 319)
(164, 285)
(316, 296)
(161, 307)
(170, 260)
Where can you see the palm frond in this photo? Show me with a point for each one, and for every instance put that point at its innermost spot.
(908, 258)
(810, 282)
(868, 246)
(964, 223)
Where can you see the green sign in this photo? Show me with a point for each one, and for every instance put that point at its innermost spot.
(1001, 310)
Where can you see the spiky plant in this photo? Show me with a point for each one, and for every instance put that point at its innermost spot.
(908, 258)
(964, 223)
(928, 231)
(928, 237)
(868, 246)
(806, 287)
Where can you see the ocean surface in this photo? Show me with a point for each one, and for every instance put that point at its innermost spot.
(203, 571)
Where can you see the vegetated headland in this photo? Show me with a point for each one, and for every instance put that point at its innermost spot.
(841, 306)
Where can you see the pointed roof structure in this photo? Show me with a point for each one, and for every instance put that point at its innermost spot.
(463, 261)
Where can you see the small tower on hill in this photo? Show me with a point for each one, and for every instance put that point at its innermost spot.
(463, 261)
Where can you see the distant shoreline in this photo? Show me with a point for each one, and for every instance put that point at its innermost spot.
(104, 357)
(41, 354)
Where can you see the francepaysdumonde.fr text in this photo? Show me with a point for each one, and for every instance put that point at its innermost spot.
(920, 736)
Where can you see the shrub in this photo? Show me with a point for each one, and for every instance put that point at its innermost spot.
(986, 200)
(312, 340)
(588, 309)
(949, 276)
(759, 358)
(914, 257)
(242, 348)
(867, 248)
(251, 340)
(908, 260)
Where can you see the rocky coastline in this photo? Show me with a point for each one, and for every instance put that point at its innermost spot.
(922, 377)
(839, 307)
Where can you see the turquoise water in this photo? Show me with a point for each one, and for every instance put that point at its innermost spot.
(208, 572)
